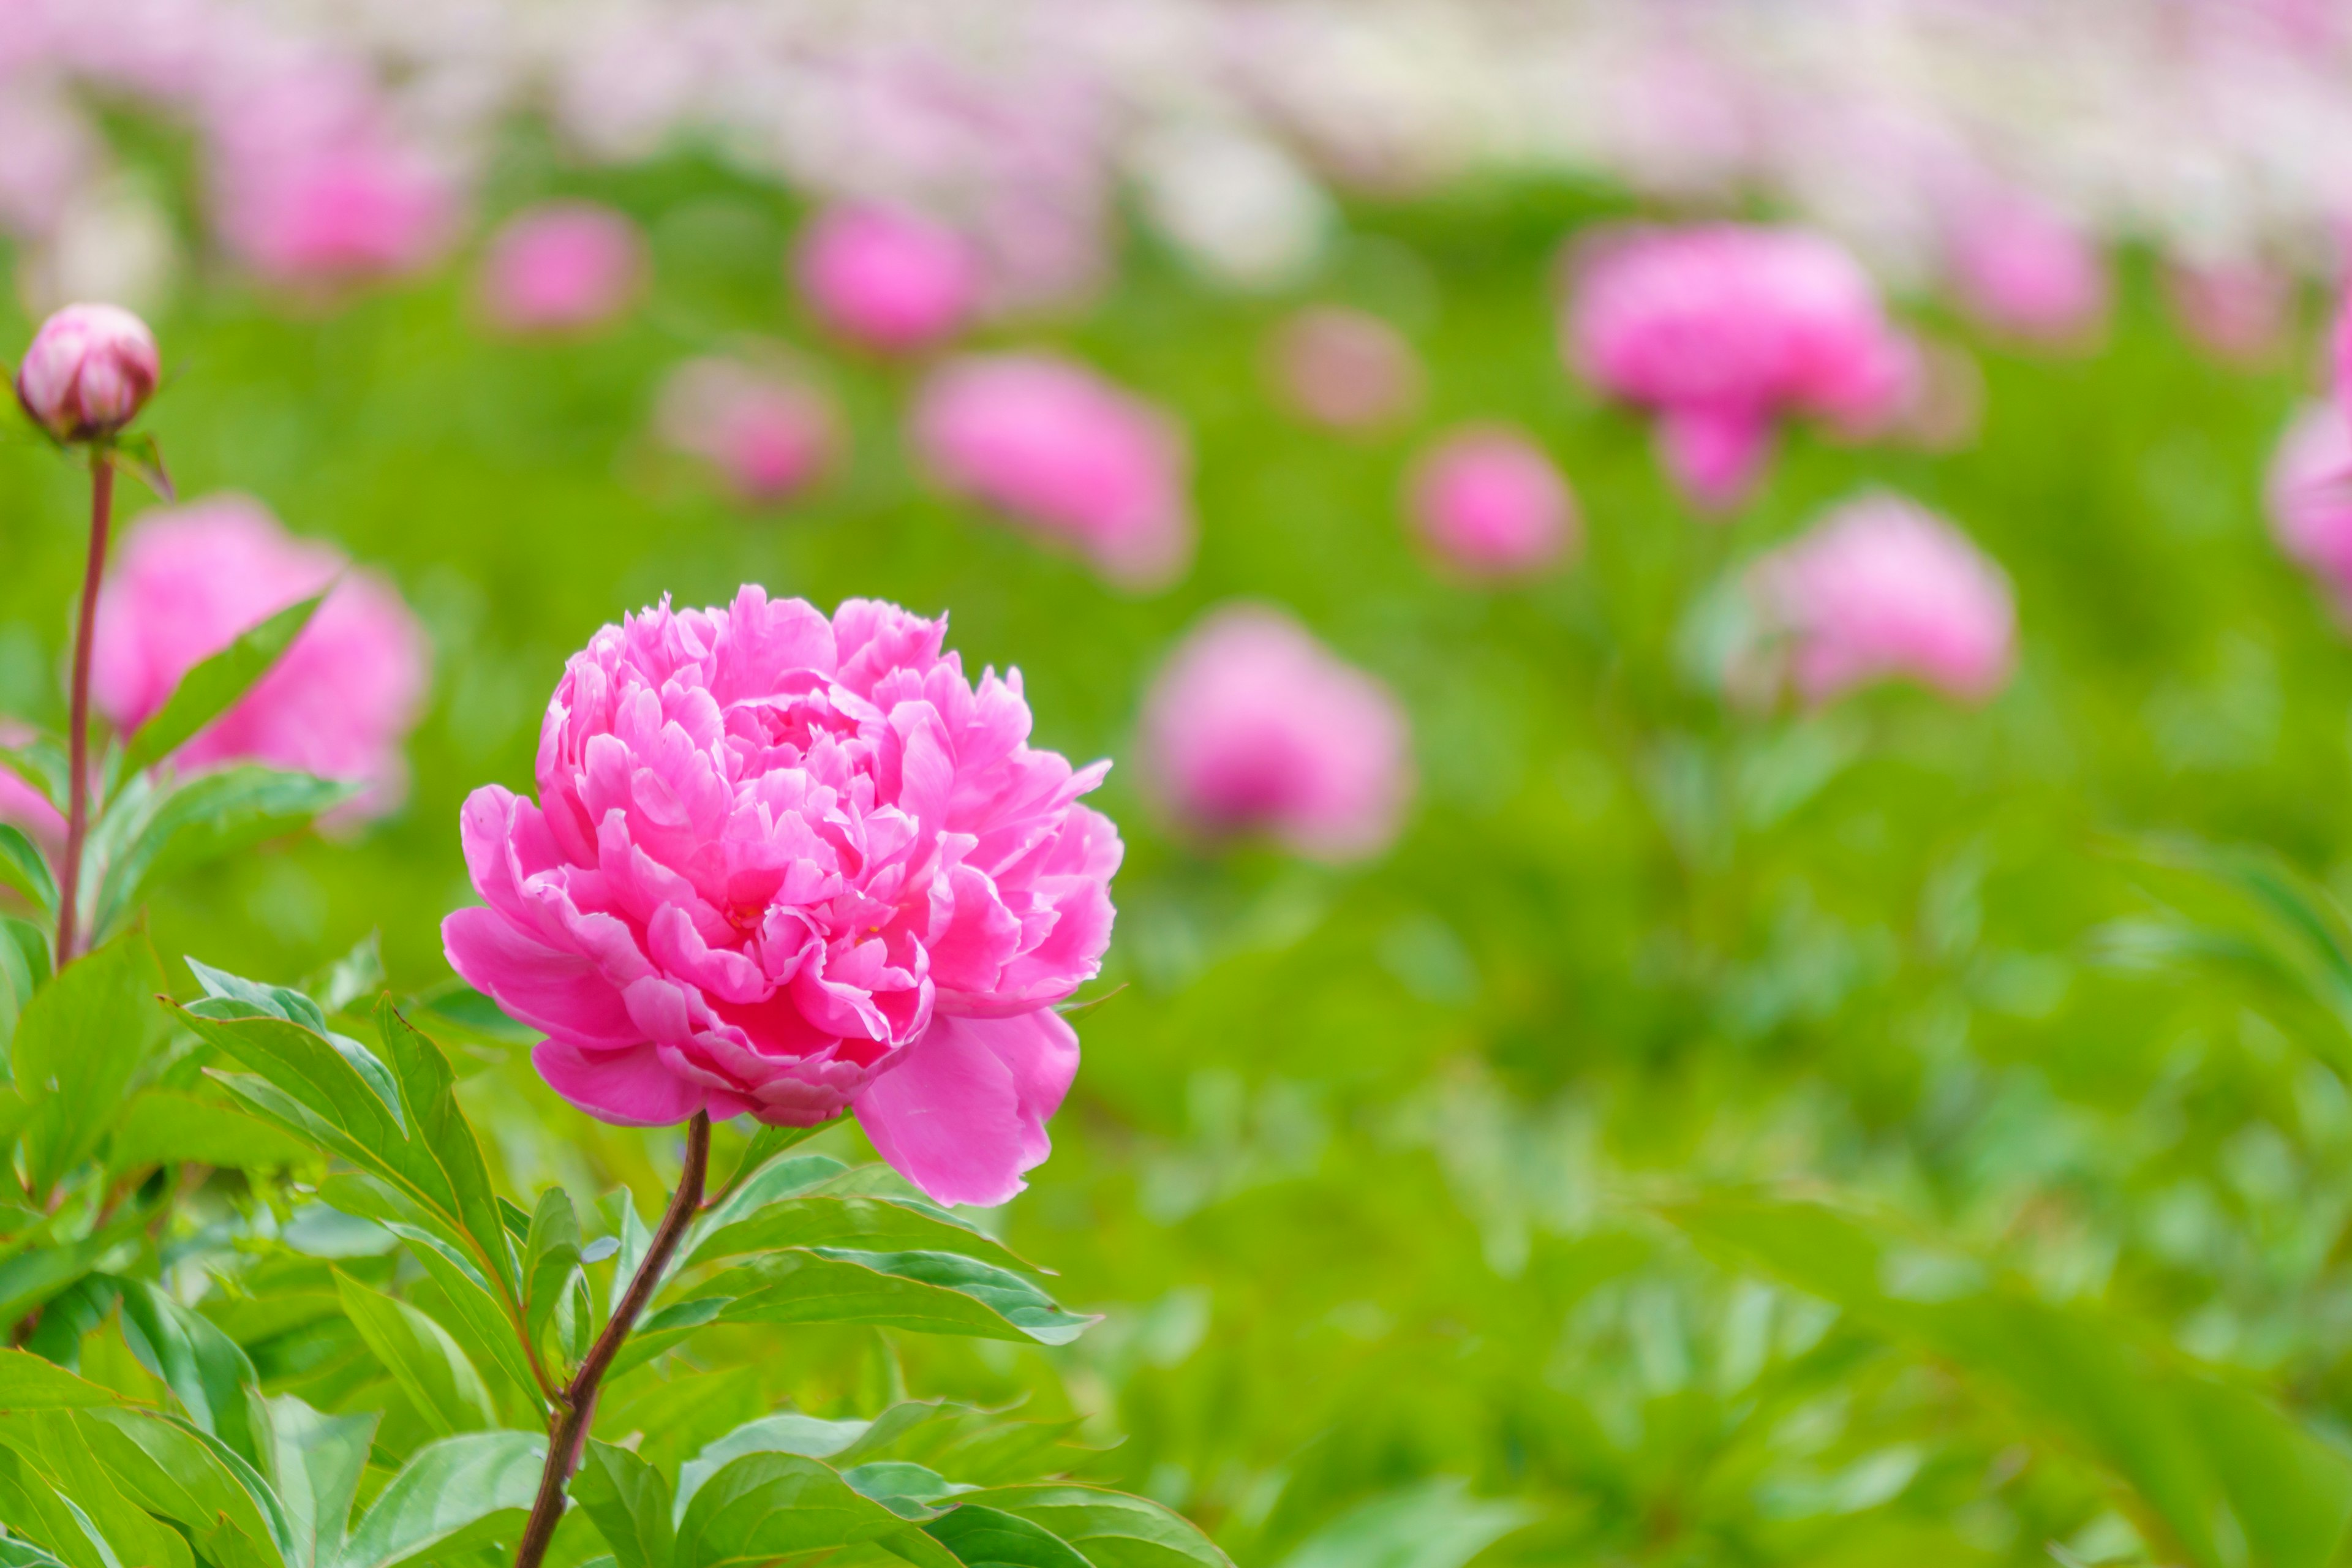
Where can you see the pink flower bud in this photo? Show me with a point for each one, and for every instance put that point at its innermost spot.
(769, 437)
(1345, 369)
(562, 267)
(1253, 726)
(2022, 269)
(2238, 311)
(88, 370)
(886, 278)
(1491, 505)
(2309, 494)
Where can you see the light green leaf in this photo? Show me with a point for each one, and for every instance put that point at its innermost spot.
(2206, 1459)
(358, 974)
(811, 1437)
(24, 969)
(991, 1538)
(866, 1223)
(165, 1127)
(178, 1473)
(1437, 1524)
(550, 1257)
(212, 1377)
(428, 1091)
(782, 1177)
(193, 824)
(766, 1144)
(764, 1506)
(214, 686)
(1110, 1529)
(428, 1365)
(32, 1506)
(78, 1045)
(475, 1316)
(452, 1496)
(28, 1383)
(929, 1293)
(57, 1444)
(629, 1503)
(25, 869)
(320, 1459)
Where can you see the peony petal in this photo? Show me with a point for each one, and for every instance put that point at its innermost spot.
(561, 993)
(962, 1114)
(629, 1087)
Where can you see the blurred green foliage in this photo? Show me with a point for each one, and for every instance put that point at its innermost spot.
(1376, 1173)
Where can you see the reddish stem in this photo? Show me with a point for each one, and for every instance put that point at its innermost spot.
(101, 511)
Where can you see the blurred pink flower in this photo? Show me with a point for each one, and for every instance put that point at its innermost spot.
(1491, 504)
(2022, 269)
(23, 805)
(783, 866)
(2238, 311)
(1345, 368)
(562, 267)
(1882, 587)
(88, 371)
(1722, 329)
(1054, 447)
(1253, 726)
(886, 277)
(769, 436)
(338, 703)
(2309, 496)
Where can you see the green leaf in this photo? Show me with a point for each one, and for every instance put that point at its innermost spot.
(25, 869)
(358, 973)
(28, 1383)
(765, 1145)
(907, 1489)
(167, 1127)
(319, 1459)
(929, 1293)
(178, 1473)
(67, 1318)
(260, 997)
(2206, 1459)
(868, 1224)
(991, 1538)
(1110, 1529)
(189, 824)
(629, 1503)
(428, 1092)
(452, 1496)
(57, 1445)
(1437, 1524)
(32, 1506)
(212, 1377)
(428, 1365)
(809, 1436)
(24, 970)
(80, 1043)
(475, 1316)
(550, 1255)
(44, 765)
(764, 1506)
(783, 1177)
(214, 685)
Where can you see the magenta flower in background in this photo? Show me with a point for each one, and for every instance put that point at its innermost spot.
(1255, 727)
(888, 278)
(562, 267)
(783, 866)
(1881, 588)
(2238, 311)
(1490, 504)
(88, 371)
(1722, 330)
(1057, 447)
(1344, 368)
(2022, 268)
(769, 436)
(2309, 496)
(340, 700)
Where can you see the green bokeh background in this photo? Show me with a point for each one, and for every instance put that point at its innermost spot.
(1357, 1162)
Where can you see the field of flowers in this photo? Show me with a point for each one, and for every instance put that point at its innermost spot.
(1734, 936)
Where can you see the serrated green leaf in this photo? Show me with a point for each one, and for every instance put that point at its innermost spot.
(319, 1459)
(990, 1538)
(214, 685)
(24, 868)
(629, 1503)
(1110, 1529)
(764, 1506)
(927, 1292)
(205, 1370)
(430, 1366)
(78, 1045)
(862, 1223)
(452, 1496)
(550, 1257)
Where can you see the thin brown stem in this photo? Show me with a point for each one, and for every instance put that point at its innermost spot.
(102, 511)
(575, 1404)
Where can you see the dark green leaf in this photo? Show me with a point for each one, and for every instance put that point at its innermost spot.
(24, 868)
(78, 1045)
(428, 1090)
(629, 1503)
(929, 1293)
(214, 686)
(213, 1379)
(909, 1490)
(809, 1436)
(550, 1255)
(875, 1224)
(451, 1497)
(429, 1365)
(991, 1538)
(1110, 1529)
(164, 1127)
(67, 1316)
(764, 1506)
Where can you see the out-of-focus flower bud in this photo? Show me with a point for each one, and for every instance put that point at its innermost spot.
(886, 278)
(89, 369)
(768, 435)
(1489, 503)
(1345, 369)
(562, 267)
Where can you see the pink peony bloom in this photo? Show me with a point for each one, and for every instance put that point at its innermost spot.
(2023, 269)
(88, 371)
(562, 267)
(338, 703)
(1882, 587)
(769, 437)
(1723, 328)
(888, 278)
(1491, 504)
(1345, 369)
(2238, 311)
(781, 867)
(2309, 492)
(1253, 726)
(1057, 447)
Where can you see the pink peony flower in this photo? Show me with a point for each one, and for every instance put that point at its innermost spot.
(770, 438)
(1345, 369)
(1722, 329)
(888, 278)
(2022, 269)
(2309, 493)
(338, 703)
(1253, 726)
(1489, 502)
(88, 371)
(562, 267)
(1055, 446)
(781, 867)
(1882, 587)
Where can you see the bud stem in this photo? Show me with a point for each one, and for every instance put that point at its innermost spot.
(101, 511)
(575, 1405)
